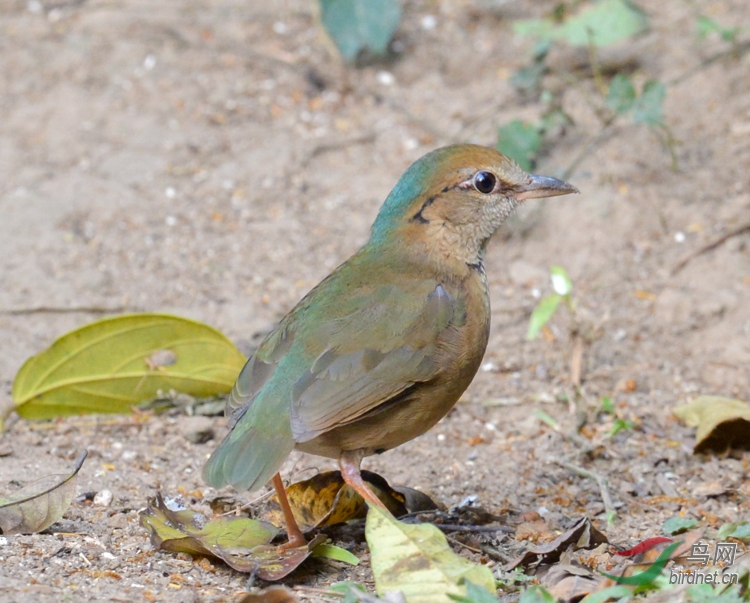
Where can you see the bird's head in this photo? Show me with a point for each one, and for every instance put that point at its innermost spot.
(453, 199)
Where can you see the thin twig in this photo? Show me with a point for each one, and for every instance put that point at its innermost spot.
(495, 554)
(711, 246)
(576, 361)
(451, 527)
(736, 51)
(466, 546)
(603, 484)
(593, 144)
(572, 436)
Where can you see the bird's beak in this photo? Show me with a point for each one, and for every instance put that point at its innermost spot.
(543, 186)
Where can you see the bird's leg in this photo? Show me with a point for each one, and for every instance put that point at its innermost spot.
(349, 461)
(294, 534)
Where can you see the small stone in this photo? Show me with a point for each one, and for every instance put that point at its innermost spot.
(5, 449)
(386, 78)
(709, 489)
(103, 498)
(119, 521)
(196, 429)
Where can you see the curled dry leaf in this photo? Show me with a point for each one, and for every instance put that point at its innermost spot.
(111, 365)
(567, 582)
(40, 504)
(274, 594)
(417, 560)
(583, 535)
(721, 423)
(241, 543)
(325, 500)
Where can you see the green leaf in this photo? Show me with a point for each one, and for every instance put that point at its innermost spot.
(349, 589)
(613, 592)
(607, 405)
(542, 29)
(601, 24)
(705, 593)
(561, 282)
(604, 23)
(475, 594)
(738, 531)
(542, 313)
(331, 551)
(621, 94)
(619, 425)
(240, 542)
(546, 419)
(520, 141)
(416, 559)
(678, 525)
(536, 594)
(707, 26)
(356, 25)
(111, 365)
(647, 108)
(40, 504)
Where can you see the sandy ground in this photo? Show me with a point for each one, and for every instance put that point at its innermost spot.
(215, 160)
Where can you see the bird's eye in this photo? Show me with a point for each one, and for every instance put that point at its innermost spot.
(485, 182)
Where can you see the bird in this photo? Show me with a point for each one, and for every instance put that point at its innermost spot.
(381, 349)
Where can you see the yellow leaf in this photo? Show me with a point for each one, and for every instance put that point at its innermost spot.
(113, 364)
(416, 560)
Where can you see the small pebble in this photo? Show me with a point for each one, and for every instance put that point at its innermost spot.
(386, 78)
(3, 541)
(118, 521)
(679, 237)
(103, 498)
(428, 22)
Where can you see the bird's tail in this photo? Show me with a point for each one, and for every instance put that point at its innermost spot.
(252, 453)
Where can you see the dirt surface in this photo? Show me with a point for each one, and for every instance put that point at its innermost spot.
(215, 160)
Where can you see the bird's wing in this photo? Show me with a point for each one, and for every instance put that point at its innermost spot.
(340, 353)
(381, 343)
(258, 370)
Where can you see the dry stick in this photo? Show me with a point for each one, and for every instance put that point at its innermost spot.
(608, 128)
(576, 361)
(466, 546)
(572, 436)
(710, 247)
(609, 507)
(735, 51)
(589, 149)
(451, 527)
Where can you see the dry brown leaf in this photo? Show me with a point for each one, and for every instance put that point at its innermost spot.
(709, 489)
(721, 422)
(274, 594)
(583, 535)
(325, 500)
(40, 504)
(567, 583)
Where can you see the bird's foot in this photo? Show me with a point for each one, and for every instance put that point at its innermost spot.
(294, 534)
(349, 462)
